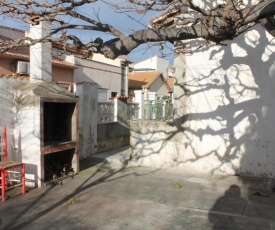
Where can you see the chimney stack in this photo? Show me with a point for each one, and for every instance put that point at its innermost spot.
(41, 53)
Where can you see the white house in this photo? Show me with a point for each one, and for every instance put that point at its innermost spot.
(149, 82)
(110, 75)
(152, 64)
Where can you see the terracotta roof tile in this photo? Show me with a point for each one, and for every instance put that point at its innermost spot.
(122, 97)
(139, 79)
(14, 76)
(84, 82)
(170, 83)
(24, 53)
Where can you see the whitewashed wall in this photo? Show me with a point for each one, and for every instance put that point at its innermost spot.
(102, 94)
(105, 75)
(163, 66)
(6, 98)
(228, 106)
(87, 93)
(27, 136)
(224, 112)
(8, 111)
(159, 87)
(156, 63)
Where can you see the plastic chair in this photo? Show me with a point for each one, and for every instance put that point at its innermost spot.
(9, 179)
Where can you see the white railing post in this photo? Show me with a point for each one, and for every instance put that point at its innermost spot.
(151, 113)
(152, 96)
(132, 110)
(115, 109)
(139, 98)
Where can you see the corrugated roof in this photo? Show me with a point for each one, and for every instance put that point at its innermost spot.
(139, 79)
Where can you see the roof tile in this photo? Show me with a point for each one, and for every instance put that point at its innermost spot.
(139, 79)
(24, 53)
(170, 83)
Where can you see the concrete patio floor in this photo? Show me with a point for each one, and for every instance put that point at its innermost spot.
(142, 198)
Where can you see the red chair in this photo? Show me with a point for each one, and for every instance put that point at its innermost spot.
(9, 179)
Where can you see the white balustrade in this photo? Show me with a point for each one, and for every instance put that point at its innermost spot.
(106, 112)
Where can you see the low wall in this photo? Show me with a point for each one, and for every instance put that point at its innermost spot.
(114, 134)
(153, 144)
(161, 144)
(111, 136)
(224, 111)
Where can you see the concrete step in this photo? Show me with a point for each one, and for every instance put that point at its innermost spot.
(116, 158)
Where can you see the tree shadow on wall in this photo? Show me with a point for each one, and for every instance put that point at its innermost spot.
(224, 115)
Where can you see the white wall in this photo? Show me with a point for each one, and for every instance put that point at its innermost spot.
(150, 63)
(27, 132)
(87, 94)
(6, 98)
(102, 59)
(155, 63)
(159, 87)
(229, 107)
(27, 138)
(224, 112)
(106, 76)
(102, 94)
(163, 66)
(8, 111)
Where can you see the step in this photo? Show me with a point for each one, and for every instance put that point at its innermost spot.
(116, 158)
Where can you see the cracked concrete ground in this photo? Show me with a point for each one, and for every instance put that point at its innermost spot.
(142, 198)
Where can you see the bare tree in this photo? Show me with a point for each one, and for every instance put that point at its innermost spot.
(215, 22)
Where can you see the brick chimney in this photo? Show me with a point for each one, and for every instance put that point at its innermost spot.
(40, 53)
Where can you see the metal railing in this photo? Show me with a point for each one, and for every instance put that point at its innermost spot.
(153, 110)
(132, 110)
(157, 110)
(108, 111)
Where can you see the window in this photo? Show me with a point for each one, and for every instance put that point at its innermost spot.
(113, 94)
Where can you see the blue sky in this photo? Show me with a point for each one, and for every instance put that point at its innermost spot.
(124, 21)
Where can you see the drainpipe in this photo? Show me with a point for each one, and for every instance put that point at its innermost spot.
(126, 64)
(126, 80)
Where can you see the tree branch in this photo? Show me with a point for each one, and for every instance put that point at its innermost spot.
(213, 22)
